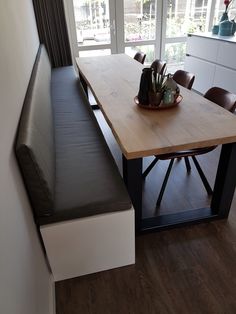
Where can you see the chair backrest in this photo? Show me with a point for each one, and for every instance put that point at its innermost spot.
(222, 98)
(184, 78)
(140, 57)
(158, 66)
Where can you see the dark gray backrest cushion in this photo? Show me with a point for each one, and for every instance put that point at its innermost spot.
(35, 141)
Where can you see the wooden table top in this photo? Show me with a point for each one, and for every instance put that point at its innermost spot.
(195, 122)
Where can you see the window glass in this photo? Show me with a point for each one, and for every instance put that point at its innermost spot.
(147, 49)
(175, 56)
(139, 20)
(94, 53)
(184, 16)
(220, 9)
(92, 22)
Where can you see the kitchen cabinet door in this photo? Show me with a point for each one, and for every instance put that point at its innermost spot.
(225, 78)
(227, 54)
(204, 73)
(203, 48)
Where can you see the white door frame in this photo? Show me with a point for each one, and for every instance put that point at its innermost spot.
(169, 40)
(69, 8)
(118, 44)
(158, 31)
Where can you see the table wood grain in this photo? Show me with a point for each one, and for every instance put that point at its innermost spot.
(195, 122)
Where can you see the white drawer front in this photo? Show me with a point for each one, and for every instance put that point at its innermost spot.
(203, 48)
(227, 54)
(204, 73)
(225, 78)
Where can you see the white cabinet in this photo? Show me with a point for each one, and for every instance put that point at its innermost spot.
(227, 55)
(213, 61)
(204, 73)
(225, 78)
(203, 48)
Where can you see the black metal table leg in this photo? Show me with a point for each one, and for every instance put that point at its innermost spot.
(132, 174)
(225, 181)
(221, 199)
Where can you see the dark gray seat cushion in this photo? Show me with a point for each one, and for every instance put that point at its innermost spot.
(87, 180)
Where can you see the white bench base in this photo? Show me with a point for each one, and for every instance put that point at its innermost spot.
(88, 245)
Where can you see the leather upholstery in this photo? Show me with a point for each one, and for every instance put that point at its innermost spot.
(159, 66)
(184, 78)
(35, 142)
(87, 179)
(75, 175)
(140, 57)
(222, 97)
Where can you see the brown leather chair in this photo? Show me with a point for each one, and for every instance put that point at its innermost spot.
(222, 98)
(140, 57)
(159, 66)
(184, 78)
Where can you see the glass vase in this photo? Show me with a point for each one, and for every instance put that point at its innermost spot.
(224, 17)
(226, 28)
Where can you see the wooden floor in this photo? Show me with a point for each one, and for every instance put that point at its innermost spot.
(184, 270)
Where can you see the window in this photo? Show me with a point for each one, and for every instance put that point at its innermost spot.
(184, 16)
(139, 20)
(149, 50)
(156, 27)
(220, 8)
(92, 22)
(175, 55)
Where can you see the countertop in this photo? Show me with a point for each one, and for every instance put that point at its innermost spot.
(216, 37)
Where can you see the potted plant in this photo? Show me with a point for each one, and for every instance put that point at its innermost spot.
(224, 16)
(158, 88)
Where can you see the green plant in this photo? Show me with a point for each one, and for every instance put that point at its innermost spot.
(158, 82)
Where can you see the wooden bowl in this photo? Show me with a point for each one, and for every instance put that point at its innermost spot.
(161, 106)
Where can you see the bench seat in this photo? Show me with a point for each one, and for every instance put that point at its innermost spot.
(79, 200)
(87, 180)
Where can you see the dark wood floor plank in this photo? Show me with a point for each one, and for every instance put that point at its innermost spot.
(184, 270)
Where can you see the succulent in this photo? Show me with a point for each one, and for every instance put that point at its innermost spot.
(158, 82)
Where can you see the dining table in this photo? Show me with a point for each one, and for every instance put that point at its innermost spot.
(140, 132)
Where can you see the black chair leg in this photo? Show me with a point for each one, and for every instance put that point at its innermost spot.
(202, 176)
(187, 163)
(164, 183)
(149, 168)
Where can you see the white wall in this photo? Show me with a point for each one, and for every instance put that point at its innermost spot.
(25, 282)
